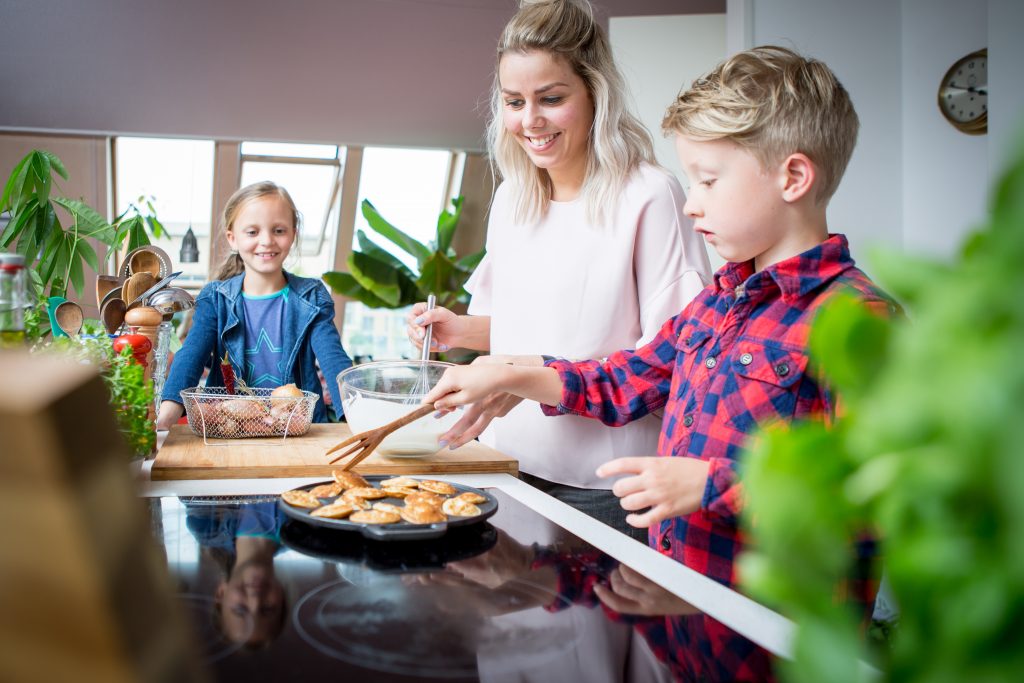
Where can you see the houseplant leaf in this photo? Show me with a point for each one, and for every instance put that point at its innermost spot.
(371, 248)
(55, 163)
(377, 276)
(346, 285)
(443, 278)
(13, 187)
(471, 261)
(403, 241)
(446, 224)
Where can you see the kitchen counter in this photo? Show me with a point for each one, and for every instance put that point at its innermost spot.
(524, 503)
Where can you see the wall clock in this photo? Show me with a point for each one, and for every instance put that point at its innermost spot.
(963, 93)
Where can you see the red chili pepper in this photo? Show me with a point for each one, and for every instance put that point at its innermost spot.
(229, 374)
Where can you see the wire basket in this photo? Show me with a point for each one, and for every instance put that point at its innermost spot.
(214, 413)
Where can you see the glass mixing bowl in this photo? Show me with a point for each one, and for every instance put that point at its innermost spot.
(373, 394)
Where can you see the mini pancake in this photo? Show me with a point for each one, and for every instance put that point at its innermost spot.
(357, 502)
(327, 490)
(471, 497)
(404, 482)
(301, 499)
(456, 507)
(349, 479)
(398, 491)
(388, 507)
(367, 492)
(424, 497)
(375, 517)
(441, 487)
(334, 511)
(422, 514)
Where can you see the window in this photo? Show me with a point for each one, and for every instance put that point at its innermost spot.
(178, 177)
(409, 187)
(312, 176)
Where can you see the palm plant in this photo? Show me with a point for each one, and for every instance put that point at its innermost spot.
(379, 279)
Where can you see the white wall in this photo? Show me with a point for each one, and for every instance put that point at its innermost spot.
(945, 172)
(1006, 109)
(660, 55)
(860, 41)
(914, 181)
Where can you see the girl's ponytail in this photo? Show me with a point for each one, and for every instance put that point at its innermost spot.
(230, 267)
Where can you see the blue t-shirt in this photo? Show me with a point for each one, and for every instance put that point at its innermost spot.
(264, 347)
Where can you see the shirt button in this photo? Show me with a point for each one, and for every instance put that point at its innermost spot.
(688, 420)
(746, 359)
(710, 362)
(781, 369)
(666, 542)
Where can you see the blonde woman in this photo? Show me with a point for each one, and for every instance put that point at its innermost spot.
(588, 249)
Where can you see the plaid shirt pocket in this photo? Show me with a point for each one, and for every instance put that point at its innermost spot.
(764, 385)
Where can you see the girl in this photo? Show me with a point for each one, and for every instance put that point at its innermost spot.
(274, 326)
(588, 249)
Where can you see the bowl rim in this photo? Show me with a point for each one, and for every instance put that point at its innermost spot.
(384, 363)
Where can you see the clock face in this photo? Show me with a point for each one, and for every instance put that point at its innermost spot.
(963, 95)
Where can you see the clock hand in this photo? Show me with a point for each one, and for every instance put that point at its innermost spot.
(970, 88)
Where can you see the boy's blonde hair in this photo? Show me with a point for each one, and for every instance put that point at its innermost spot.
(233, 264)
(774, 103)
(618, 141)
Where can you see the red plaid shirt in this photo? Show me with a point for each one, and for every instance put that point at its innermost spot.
(735, 359)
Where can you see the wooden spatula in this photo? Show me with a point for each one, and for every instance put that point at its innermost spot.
(363, 444)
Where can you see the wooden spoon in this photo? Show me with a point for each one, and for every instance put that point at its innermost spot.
(112, 315)
(144, 261)
(107, 283)
(136, 285)
(69, 317)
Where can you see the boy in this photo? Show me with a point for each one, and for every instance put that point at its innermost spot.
(764, 140)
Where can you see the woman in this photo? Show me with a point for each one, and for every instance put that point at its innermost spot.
(588, 249)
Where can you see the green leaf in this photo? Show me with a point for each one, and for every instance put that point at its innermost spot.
(442, 277)
(344, 284)
(446, 224)
(156, 227)
(89, 254)
(402, 240)
(12, 189)
(41, 169)
(370, 248)
(472, 261)
(90, 222)
(377, 276)
(55, 163)
(76, 273)
(17, 225)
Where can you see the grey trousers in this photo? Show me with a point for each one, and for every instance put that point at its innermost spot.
(601, 504)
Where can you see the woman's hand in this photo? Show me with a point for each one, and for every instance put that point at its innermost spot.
(632, 593)
(444, 335)
(670, 487)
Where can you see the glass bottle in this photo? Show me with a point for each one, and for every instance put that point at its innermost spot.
(12, 300)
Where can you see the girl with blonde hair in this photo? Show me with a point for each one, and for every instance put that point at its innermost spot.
(588, 249)
(272, 326)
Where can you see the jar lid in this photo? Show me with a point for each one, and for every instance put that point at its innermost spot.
(12, 261)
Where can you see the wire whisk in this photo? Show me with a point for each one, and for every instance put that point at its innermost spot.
(422, 385)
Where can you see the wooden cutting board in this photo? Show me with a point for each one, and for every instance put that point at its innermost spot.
(184, 456)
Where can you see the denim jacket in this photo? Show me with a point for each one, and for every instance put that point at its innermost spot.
(217, 325)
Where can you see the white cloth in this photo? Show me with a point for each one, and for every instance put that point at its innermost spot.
(567, 287)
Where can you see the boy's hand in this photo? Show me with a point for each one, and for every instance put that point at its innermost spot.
(476, 418)
(671, 487)
(631, 593)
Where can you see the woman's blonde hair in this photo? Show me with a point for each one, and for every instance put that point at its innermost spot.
(233, 264)
(618, 142)
(772, 102)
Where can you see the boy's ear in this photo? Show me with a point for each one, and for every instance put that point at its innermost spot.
(798, 176)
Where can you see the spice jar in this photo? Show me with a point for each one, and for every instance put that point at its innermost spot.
(12, 300)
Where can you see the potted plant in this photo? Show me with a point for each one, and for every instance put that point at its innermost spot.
(927, 455)
(380, 280)
(56, 258)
